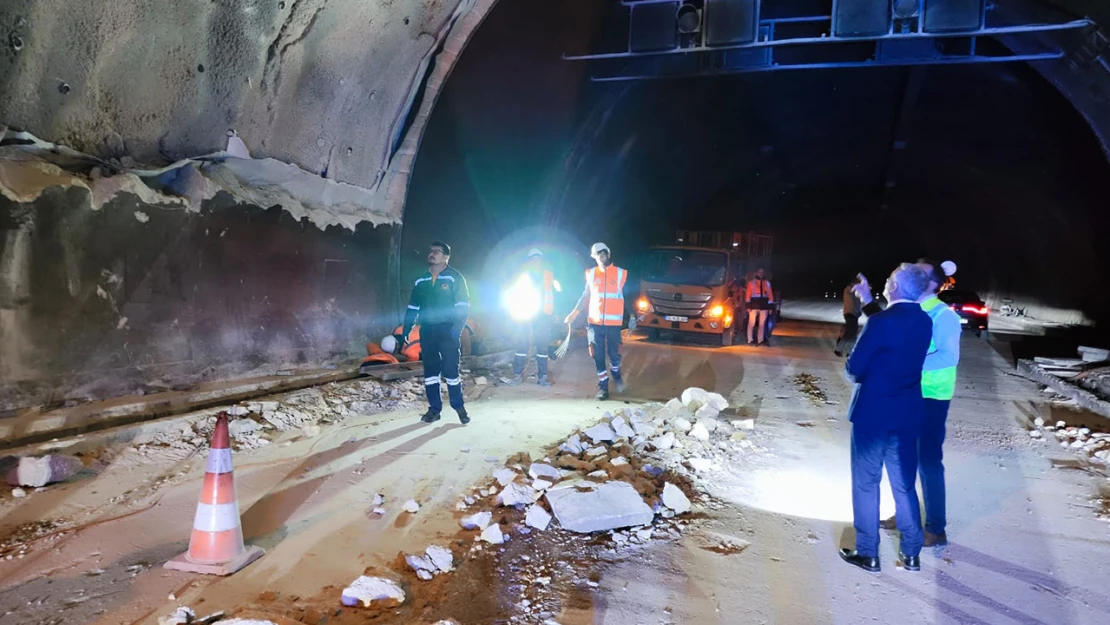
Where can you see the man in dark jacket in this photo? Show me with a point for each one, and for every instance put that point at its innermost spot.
(886, 413)
(441, 302)
(852, 311)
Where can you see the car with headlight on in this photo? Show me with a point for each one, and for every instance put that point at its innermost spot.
(973, 311)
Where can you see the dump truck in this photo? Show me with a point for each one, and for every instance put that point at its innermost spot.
(696, 285)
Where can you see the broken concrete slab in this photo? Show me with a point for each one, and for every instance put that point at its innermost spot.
(504, 475)
(493, 535)
(441, 557)
(537, 517)
(573, 445)
(479, 521)
(664, 442)
(706, 412)
(675, 499)
(366, 590)
(694, 398)
(609, 506)
(541, 484)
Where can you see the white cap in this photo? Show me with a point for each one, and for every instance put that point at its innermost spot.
(535, 251)
(598, 248)
(389, 344)
(948, 267)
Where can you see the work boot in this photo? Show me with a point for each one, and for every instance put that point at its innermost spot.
(851, 556)
(463, 417)
(602, 395)
(620, 387)
(518, 379)
(910, 563)
(430, 417)
(543, 381)
(889, 524)
(935, 540)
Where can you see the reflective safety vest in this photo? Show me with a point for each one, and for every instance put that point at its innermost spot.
(374, 353)
(411, 349)
(606, 295)
(940, 382)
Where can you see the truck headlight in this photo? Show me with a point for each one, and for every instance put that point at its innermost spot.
(643, 305)
(715, 312)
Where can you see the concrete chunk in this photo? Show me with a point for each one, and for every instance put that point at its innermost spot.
(610, 506)
(665, 441)
(537, 517)
(504, 475)
(365, 590)
(717, 401)
(515, 495)
(622, 429)
(479, 521)
(699, 432)
(694, 398)
(682, 425)
(706, 412)
(601, 432)
(744, 424)
(441, 557)
(675, 499)
(545, 471)
(573, 445)
(493, 535)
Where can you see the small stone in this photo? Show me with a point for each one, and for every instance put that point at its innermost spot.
(1061, 425)
(744, 424)
(420, 563)
(493, 535)
(700, 464)
(619, 461)
(537, 517)
(424, 575)
(379, 499)
(600, 473)
(596, 451)
(441, 557)
(573, 445)
(1039, 422)
(481, 381)
(378, 512)
(699, 432)
(541, 485)
(622, 429)
(479, 521)
(706, 412)
(18, 492)
(411, 506)
(1035, 434)
(682, 425)
(675, 499)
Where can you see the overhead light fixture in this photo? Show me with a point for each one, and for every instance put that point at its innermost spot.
(905, 8)
(689, 19)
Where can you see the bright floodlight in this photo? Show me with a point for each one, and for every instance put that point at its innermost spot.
(522, 299)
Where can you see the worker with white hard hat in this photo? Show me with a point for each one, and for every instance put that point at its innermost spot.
(604, 294)
(531, 303)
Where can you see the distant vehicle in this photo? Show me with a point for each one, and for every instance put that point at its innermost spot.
(697, 285)
(971, 308)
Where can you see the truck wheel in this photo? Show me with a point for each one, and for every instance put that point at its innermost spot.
(653, 335)
(727, 336)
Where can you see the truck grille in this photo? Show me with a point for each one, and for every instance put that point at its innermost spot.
(690, 305)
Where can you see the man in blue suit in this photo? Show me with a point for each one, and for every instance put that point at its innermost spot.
(886, 413)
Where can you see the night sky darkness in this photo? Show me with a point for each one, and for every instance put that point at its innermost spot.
(999, 172)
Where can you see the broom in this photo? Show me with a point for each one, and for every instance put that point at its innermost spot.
(565, 345)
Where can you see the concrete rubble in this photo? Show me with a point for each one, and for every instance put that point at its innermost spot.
(610, 505)
(37, 472)
(366, 590)
(436, 560)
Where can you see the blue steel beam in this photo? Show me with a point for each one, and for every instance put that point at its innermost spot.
(962, 60)
(988, 32)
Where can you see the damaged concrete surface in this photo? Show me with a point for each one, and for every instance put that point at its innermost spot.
(332, 88)
(770, 509)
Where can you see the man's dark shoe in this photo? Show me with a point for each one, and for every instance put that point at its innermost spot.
(889, 524)
(936, 540)
(866, 563)
(430, 417)
(463, 417)
(543, 381)
(620, 387)
(602, 395)
(910, 563)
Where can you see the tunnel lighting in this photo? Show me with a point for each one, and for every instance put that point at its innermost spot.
(715, 311)
(643, 305)
(522, 299)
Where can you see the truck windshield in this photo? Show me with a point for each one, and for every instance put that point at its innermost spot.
(686, 267)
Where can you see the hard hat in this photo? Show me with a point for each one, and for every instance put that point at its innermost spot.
(535, 251)
(389, 344)
(948, 267)
(598, 248)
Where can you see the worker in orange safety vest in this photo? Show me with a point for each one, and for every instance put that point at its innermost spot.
(605, 296)
(537, 330)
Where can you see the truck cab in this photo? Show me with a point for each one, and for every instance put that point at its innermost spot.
(697, 284)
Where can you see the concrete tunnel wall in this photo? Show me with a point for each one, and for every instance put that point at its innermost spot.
(100, 303)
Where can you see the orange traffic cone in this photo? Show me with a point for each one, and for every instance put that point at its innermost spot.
(216, 546)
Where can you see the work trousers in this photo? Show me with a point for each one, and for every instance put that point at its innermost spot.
(871, 449)
(440, 353)
(536, 332)
(848, 335)
(605, 339)
(931, 467)
(757, 319)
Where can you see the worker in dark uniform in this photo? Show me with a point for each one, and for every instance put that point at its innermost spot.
(536, 330)
(441, 301)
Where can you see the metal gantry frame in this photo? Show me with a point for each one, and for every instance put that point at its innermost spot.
(906, 42)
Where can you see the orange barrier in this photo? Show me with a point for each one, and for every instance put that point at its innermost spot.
(216, 546)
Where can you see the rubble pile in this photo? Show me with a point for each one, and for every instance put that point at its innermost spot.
(1093, 444)
(620, 481)
(254, 424)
